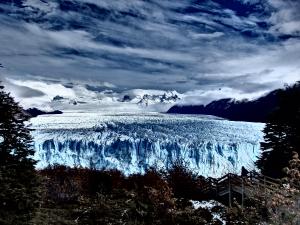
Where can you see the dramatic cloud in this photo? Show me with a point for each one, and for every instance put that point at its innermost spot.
(206, 49)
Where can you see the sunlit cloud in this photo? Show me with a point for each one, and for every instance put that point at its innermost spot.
(204, 50)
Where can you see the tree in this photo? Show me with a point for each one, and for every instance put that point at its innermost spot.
(293, 171)
(282, 134)
(19, 183)
(182, 181)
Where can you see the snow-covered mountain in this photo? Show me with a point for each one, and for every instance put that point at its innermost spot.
(50, 96)
(126, 101)
(138, 96)
(135, 142)
(168, 97)
(151, 97)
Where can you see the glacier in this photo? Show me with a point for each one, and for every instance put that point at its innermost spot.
(132, 143)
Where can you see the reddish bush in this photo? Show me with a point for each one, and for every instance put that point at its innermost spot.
(184, 183)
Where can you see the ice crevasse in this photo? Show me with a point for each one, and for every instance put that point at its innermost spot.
(132, 143)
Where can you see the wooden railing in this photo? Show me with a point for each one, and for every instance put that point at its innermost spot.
(231, 184)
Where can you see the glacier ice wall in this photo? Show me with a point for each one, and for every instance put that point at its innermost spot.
(133, 143)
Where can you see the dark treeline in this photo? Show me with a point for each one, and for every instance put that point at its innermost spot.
(108, 197)
(281, 133)
(157, 197)
(19, 182)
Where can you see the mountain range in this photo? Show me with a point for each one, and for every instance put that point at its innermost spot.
(238, 110)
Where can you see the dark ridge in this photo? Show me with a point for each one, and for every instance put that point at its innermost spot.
(34, 112)
(244, 110)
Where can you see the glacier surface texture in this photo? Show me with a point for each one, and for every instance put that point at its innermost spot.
(134, 142)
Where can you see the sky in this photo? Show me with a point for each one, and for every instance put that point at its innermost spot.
(205, 50)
